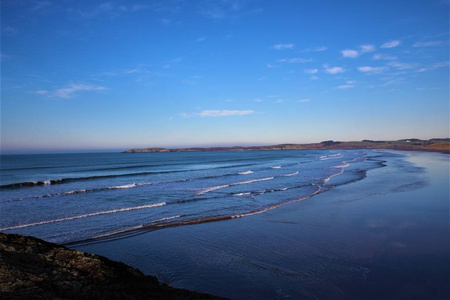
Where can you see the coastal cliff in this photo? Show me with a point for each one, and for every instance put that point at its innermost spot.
(31, 268)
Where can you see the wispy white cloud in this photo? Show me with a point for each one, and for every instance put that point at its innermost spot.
(314, 78)
(311, 71)
(218, 113)
(379, 56)
(41, 92)
(111, 10)
(434, 66)
(303, 100)
(434, 88)
(391, 44)
(346, 86)
(333, 70)
(349, 85)
(428, 44)
(402, 66)
(391, 81)
(350, 53)
(283, 46)
(258, 100)
(131, 71)
(70, 90)
(294, 60)
(172, 62)
(270, 66)
(104, 8)
(278, 101)
(367, 48)
(201, 39)
(220, 10)
(133, 7)
(367, 69)
(316, 49)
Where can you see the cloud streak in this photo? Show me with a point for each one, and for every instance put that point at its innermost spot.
(70, 90)
(282, 46)
(295, 60)
(428, 44)
(311, 71)
(316, 49)
(333, 70)
(391, 44)
(367, 48)
(214, 113)
(368, 69)
(350, 53)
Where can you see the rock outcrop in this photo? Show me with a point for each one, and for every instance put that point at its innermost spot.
(31, 268)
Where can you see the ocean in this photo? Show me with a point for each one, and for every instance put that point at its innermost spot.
(328, 224)
(66, 198)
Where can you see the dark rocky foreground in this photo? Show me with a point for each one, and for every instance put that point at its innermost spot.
(31, 268)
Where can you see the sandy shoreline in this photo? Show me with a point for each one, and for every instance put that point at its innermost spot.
(385, 236)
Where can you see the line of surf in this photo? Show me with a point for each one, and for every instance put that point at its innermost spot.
(99, 213)
(210, 189)
(96, 177)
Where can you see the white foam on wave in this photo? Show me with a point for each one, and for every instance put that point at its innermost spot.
(291, 174)
(242, 194)
(331, 156)
(341, 167)
(99, 213)
(276, 167)
(118, 187)
(213, 188)
(73, 192)
(246, 172)
(257, 212)
(254, 180)
(167, 218)
(344, 165)
(125, 186)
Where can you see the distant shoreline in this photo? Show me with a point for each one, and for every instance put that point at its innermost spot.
(433, 145)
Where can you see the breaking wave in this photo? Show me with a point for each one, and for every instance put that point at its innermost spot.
(85, 216)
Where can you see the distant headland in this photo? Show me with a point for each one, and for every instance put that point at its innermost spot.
(436, 145)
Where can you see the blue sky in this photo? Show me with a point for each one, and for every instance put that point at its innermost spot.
(114, 75)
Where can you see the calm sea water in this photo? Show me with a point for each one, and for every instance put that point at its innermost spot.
(67, 198)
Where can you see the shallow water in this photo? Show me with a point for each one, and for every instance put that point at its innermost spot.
(383, 237)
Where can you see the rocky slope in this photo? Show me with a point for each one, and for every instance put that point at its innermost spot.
(31, 268)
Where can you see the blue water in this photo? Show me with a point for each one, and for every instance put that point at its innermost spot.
(66, 198)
